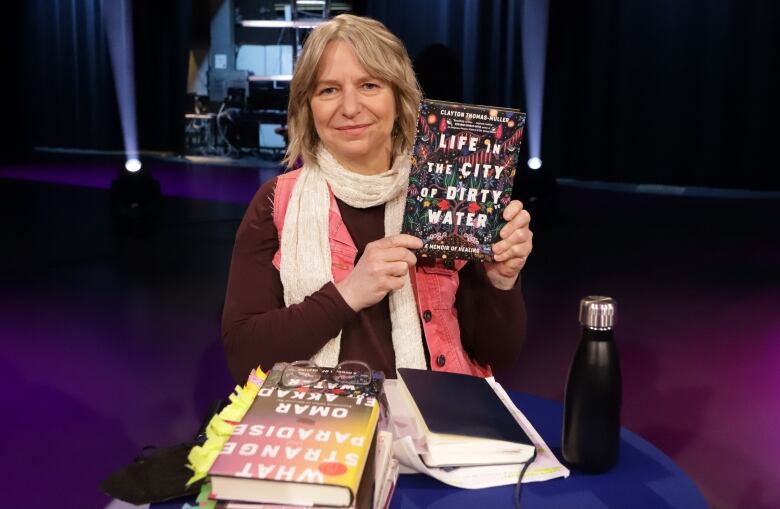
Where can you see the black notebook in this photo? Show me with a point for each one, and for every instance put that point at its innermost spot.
(464, 421)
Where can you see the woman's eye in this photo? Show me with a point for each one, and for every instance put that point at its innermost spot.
(370, 86)
(327, 91)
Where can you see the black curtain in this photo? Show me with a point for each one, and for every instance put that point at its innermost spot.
(162, 40)
(69, 87)
(463, 50)
(15, 145)
(67, 84)
(668, 92)
(483, 34)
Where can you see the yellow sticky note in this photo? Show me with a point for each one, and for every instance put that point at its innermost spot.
(220, 427)
(200, 457)
(234, 399)
(231, 413)
(246, 397)
(256, 377)
(195, 478)
(215, 444)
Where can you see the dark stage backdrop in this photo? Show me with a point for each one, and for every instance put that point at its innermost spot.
(668, 91)
(463, 50)
(483, 37)
(66, 80)
(14, 144)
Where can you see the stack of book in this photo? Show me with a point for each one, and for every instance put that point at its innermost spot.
(313, 446)
(464, 431)
(462, 420)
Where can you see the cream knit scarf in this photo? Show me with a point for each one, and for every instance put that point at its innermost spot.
(306, 257)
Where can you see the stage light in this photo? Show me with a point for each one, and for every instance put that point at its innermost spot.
(534, 37)
(136, 200)
(133, 165)
(119, 33)
(534, 163)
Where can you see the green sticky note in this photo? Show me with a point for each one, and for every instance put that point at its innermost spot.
(205, 491)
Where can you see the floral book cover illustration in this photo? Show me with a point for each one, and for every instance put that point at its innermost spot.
(463, 164)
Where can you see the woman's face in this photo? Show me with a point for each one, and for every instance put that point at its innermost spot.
(353, 112)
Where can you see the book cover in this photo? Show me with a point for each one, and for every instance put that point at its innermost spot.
(363, 500)
(462, 169)
(366, 497)
(296, 446)
(470, 425)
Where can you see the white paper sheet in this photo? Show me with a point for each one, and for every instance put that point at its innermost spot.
(409, 443)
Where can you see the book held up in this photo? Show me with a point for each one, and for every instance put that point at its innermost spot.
(462, 169)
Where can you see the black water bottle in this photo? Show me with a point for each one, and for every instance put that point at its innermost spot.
(591, 413)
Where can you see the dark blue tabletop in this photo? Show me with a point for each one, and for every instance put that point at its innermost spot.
(644, 477)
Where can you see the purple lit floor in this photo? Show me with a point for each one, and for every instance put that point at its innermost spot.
(111, 343)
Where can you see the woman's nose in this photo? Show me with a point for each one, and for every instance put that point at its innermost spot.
(350, 103)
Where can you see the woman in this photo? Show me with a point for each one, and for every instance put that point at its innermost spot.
(319, 269)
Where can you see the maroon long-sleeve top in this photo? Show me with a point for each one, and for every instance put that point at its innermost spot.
(258, 329)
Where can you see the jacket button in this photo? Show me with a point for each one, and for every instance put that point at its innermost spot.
(427, 315)
(449, 263)
(440, 360)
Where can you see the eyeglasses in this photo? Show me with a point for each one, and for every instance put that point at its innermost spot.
(301, 373)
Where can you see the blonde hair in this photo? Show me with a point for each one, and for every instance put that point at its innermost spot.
(380, 52)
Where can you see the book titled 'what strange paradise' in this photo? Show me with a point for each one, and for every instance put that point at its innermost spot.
(463, 165)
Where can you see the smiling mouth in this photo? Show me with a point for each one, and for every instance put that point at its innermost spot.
(357, 128)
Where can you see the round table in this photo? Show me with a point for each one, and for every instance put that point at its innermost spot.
(644, 477)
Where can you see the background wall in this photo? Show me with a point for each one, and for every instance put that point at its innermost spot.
(662, 92)
(665, 92)
(65, 87)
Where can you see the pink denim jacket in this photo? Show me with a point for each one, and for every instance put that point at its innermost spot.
(434, 287)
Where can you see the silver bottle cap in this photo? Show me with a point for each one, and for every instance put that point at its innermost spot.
(597, 312)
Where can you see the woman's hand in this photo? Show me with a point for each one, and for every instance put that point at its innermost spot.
(379, 271)
(511, 252)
